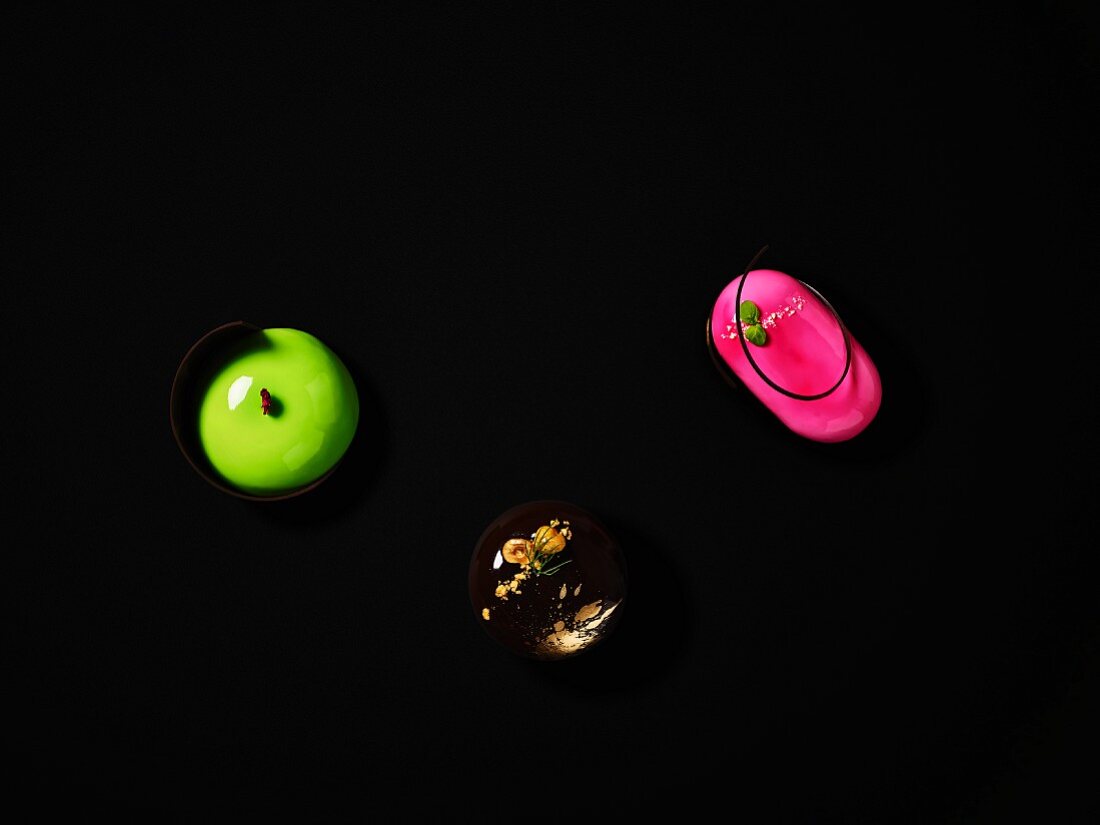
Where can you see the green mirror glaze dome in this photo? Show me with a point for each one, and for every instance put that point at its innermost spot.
(293, 436)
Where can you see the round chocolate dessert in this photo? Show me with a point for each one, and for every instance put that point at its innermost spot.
(547, 580)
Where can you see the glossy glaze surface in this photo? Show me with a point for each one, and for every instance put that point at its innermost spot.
(804, 353)
(547, 615)
(313, 412)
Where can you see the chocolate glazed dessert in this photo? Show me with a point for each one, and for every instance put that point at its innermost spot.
(547, 580)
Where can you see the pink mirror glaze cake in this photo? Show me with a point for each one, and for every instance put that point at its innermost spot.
(781, 339)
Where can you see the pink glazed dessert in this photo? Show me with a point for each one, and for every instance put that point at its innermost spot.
(790, 348)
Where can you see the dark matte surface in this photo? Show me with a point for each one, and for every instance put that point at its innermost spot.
(512, 226)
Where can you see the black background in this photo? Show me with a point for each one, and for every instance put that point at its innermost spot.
(512, 224)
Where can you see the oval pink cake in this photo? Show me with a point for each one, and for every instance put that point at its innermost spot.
(810, 371)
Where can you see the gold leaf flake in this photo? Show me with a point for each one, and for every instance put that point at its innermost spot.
(563, 642)
(588, 611)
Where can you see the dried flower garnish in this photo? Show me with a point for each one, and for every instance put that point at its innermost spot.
(516, 551)
(533, 555)
(548, 541)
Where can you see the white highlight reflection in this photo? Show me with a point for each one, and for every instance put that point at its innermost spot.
(238, 390)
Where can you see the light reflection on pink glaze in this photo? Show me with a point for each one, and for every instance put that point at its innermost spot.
(804, 354)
